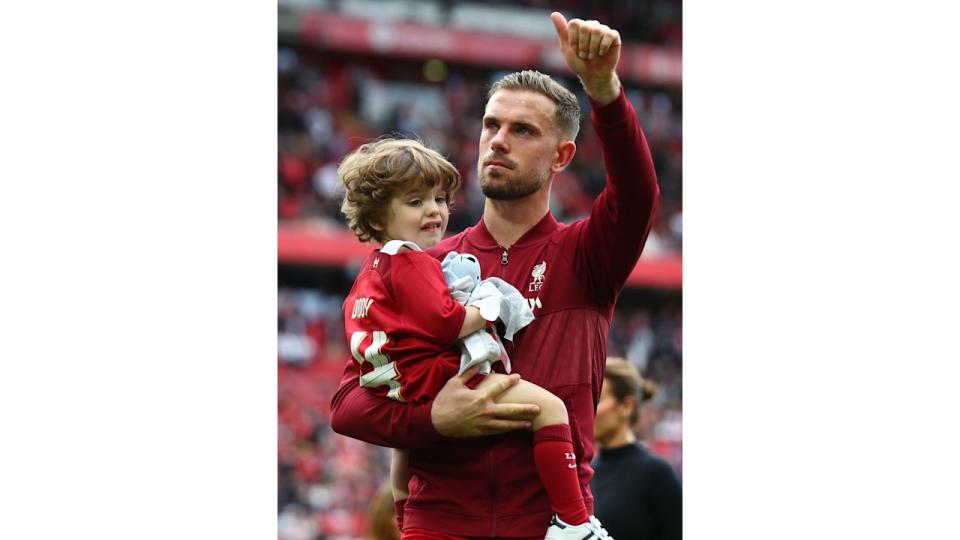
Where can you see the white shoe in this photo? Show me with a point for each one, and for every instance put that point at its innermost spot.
(591, 530)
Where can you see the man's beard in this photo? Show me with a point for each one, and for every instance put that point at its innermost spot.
(507, 187)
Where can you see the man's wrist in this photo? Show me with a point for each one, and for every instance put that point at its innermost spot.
(602, 90)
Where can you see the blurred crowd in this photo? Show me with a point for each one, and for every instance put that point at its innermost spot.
(651, 22)
(326, 481)
(657, 22)
(331, 104)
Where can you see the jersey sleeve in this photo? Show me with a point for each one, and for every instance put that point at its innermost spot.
(611, 240)
(360, 414)
(426, 308)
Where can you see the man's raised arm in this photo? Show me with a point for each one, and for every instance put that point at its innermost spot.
(622, 216)
(456, 411)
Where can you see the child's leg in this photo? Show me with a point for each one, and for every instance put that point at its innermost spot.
(399, 479)
(552, 448)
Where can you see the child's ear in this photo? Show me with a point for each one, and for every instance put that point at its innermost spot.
(376, 226)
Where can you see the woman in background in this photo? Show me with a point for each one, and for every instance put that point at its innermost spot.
(637, 494)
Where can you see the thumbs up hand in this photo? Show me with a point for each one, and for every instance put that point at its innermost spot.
(592, 51)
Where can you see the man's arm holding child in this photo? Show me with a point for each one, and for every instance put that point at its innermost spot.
(456, 411)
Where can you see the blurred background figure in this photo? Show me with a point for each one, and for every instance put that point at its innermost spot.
(382, 520)
(637, 495)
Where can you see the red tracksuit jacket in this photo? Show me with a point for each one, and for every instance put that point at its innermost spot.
(572, 274)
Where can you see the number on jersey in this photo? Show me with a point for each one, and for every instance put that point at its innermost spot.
(384, 371)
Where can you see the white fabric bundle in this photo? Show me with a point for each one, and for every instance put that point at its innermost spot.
(496, 299)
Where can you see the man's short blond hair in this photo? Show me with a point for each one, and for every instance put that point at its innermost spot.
(380, 170)
(567, 116)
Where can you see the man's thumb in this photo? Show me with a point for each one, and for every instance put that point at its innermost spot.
(560, 25)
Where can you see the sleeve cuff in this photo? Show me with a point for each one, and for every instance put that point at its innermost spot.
(423, 424)
(611, 113)
(457, 318)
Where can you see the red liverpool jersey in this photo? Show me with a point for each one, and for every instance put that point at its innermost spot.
(402, 325)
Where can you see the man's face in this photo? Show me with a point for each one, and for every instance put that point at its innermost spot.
(518, 144)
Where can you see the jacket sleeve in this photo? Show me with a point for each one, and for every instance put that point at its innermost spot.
(611, 240)
(360, 414)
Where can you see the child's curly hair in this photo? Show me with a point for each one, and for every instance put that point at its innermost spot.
(380, 170)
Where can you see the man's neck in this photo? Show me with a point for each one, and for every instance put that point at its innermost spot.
(508, 221)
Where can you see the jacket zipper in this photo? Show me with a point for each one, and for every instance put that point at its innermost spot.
(504, 258)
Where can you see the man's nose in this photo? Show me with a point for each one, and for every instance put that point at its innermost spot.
(499, 142)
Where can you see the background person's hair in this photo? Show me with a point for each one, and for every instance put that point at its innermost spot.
(625, 381)
(567, 115)
(380, 170)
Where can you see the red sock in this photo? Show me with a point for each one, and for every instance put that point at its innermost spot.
(553, 455)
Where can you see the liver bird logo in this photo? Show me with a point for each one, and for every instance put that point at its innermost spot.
(538, 272)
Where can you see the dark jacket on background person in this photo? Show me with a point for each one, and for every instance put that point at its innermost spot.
(636, 494)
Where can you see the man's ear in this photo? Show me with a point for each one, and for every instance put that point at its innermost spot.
(564, 155)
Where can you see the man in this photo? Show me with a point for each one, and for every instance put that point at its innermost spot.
(468, 486)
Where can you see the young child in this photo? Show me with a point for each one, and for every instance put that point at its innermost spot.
(400, 319)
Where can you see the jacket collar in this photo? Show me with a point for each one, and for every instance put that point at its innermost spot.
(480, 236)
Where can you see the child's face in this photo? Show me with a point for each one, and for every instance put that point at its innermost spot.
(419, 216)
